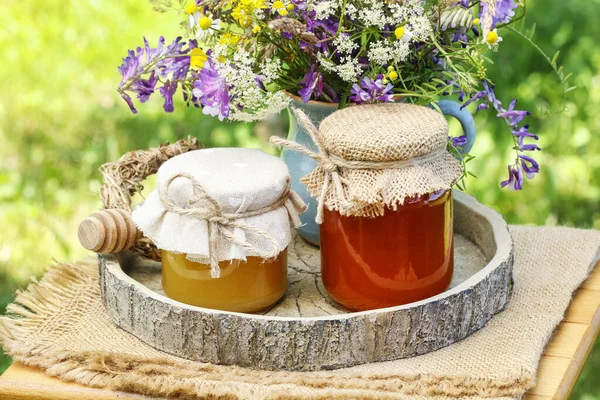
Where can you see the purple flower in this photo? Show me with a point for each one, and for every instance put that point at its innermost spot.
(487, 94)
(129, 102)
(160, 62)
(437, 61)
(212, 91)
(459, 141)
(328, 25)
(167, 92)
(526, 166)
(322, 29)
(529, 165)
(144, 87)
(131, 66)
(512, 117)
(163, 57)
(320, 46)
(372, 91)
(167, 63)
(260, 82)
(524, 132)
(515, 178)
(312, 83)
(505, 10)
(526, 147)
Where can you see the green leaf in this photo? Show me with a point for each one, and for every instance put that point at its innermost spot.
(557, 70)
(555, 58)
(531, 32)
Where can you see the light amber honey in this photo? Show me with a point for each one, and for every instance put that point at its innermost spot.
(401, 257)
(244, 286)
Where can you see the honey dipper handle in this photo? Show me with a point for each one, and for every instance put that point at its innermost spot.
(108, 231)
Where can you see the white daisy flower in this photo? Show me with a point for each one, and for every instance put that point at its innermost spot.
(493, 39)
(207, 26)
(403, 34)
(193, 14)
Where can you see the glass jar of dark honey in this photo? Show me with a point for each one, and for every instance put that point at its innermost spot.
(400, 257)
(383, 185)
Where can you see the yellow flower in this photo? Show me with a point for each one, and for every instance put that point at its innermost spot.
(240, 15)
(243, 12)
(229, 39)
(258, 3)
(282, 8)
(190, 8)
(198, 58)
(393, 75)
(399, 32)
(221, 59)
(249, 4)
(476, 21)
(256, 29)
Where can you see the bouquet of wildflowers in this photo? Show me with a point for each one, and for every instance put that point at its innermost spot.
(241, 58)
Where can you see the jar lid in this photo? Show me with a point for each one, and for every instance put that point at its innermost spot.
(384, 132)
(373, 157)
(220, 204)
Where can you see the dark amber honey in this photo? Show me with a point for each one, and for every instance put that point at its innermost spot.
(404, 256)
(244, 286)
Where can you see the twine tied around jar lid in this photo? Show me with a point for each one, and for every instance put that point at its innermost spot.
(221, 224)
(336, 179)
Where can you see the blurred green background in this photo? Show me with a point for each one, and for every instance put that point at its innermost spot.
(60, 118)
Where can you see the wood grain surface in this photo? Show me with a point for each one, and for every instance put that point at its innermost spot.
(571, 344)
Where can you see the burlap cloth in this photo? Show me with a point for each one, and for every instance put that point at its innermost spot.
(59, 324)
(374, 157)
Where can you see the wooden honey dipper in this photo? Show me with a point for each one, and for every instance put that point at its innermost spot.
(108, 231)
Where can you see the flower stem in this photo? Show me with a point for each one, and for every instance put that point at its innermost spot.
(343, 101)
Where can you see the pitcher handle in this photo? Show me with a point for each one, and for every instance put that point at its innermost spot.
(452, 108)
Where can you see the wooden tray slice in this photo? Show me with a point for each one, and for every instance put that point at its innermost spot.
(307, 330)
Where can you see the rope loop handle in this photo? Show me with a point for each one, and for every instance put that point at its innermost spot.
(123, 178)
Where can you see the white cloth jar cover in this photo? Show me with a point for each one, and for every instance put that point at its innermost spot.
(221, 204)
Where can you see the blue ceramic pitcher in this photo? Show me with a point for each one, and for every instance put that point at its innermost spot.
(301, 165)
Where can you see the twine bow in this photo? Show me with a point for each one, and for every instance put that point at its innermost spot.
(222, 225)
(332, 164)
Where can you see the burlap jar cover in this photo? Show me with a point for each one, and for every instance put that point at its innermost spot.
(221, 204)
(373, 157)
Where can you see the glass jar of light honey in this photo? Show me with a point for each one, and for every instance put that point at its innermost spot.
(222, 220)
(383, 185)
(243, 286)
